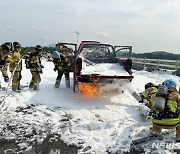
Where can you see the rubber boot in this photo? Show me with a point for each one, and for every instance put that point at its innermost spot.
(14, 88)
(31, 85)
(57, 84)
(36, 86)
(19, 87)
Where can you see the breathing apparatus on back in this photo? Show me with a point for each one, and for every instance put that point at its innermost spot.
(165, 106)
(160, 102)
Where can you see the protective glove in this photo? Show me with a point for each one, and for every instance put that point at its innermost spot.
(67, 69)
(6, 79)
(42, 66)
(55, 69)
(141, 101)
(40, 71)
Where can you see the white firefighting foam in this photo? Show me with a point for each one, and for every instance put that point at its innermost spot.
(97, 124)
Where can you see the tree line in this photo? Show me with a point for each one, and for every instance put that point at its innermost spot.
(28, 49)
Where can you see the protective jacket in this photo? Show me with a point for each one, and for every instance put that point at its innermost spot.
(172, 108)
(62, 64)
(146, 95)
(35, 62)
(4, 63)
(14, 59)
(149, 92)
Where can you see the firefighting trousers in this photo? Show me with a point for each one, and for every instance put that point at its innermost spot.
(16, 80)
(158, 129)
(60, 74)
(36, 79)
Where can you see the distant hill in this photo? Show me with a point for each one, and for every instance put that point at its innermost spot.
(157, 55)
(160, 52)
(53, 45)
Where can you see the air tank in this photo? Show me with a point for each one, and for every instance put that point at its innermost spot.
(160, 101)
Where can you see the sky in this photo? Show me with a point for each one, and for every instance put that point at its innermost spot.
(147, 25)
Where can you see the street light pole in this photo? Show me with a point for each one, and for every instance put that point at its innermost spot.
(77, 36)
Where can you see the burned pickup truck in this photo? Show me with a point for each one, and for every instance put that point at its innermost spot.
(100, 68)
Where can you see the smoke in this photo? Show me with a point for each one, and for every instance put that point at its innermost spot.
(112, 86)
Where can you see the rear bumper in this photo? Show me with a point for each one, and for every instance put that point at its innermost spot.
(102, 78)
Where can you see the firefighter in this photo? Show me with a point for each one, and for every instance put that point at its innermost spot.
(166, 108)
(14, 58)
(150, 89)
(35, 67)
(68, 52)
(62, 65)
(5, 49)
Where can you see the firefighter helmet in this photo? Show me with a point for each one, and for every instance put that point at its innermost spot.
(149, 84)
(56, 54)
(7, 46)
(38, 48)
(16, 45)
(169, 83)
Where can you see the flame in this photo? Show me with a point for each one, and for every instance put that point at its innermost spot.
(89, 89)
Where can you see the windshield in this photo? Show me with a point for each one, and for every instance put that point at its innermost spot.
(98, 53)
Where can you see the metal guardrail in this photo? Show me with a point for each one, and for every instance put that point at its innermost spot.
(157, 63)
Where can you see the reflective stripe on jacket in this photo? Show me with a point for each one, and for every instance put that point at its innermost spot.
(166, 121)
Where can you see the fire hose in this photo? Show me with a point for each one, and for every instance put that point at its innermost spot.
(9, 83)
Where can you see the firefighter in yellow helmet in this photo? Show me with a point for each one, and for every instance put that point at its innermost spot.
(35, 67)
(166, 108)
(14, 59)
(5, 49)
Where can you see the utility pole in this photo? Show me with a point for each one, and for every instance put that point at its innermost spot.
(77, 36)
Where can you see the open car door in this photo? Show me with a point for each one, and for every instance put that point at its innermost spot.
(124, 54)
